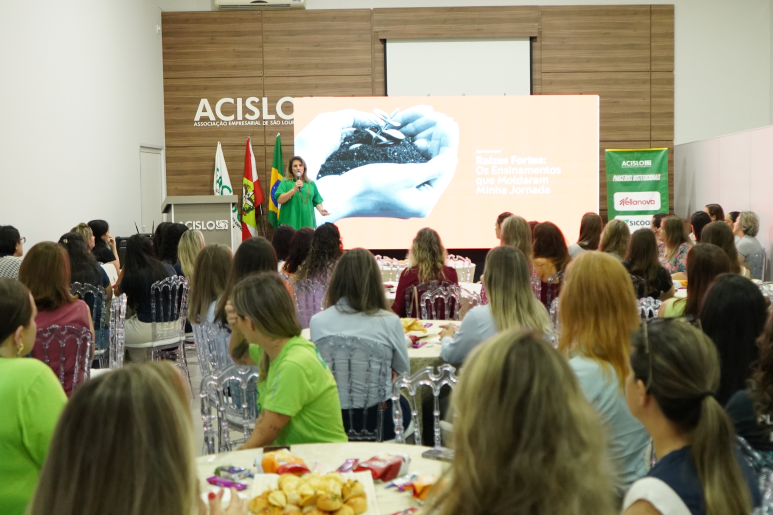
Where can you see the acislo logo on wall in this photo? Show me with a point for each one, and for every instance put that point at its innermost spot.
(212, 225)
(637, 200)
(241, 112)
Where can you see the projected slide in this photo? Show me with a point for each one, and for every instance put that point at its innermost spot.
(388, 166)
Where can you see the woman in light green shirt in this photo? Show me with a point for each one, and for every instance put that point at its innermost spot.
(297, 197)
(31, 400)
(297, 394)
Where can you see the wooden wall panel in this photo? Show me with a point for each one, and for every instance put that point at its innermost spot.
(662, 38)
(625, 100)
(536, 66)
(317, 42)
(662, 109)
(595, 38)
(456, 22)
(314, 86)
(201, 45)
(379, 67)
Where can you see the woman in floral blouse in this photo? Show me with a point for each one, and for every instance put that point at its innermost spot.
(673, 251)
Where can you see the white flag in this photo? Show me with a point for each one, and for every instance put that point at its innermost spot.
(222, 184)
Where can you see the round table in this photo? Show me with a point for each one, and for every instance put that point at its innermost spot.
(330, 456)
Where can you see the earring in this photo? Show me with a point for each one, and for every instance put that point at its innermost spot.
(18, 351)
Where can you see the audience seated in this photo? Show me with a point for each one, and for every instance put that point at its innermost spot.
(104, 249)
(124, 445)
(642, 261)
(511, 305)
(281, 242)
(46, 272)
(297, 394)
(525, 439)
(300, 244)
(141, 269)
(733, 314)
(746, 228)
(676, 244)
(253, 255)
(721, 235)
(591, 227)
(656, 226)
(671, 391)
(191, 243)
(704, 263)
(698, 221)
(326, 248)
(169, 245)
(210, 277)
(11, 251)
(356, 306)
(598, 311)
(426, 263)
(516, 233)
(751, 410)
(31, 400)
(498, 225)
(715, 212)
(731, 218)
(84, 268)
(615, 240)
(158, 236)
(550, 259)
(86, 233)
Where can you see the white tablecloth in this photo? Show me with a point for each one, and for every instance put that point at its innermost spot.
(330, 457)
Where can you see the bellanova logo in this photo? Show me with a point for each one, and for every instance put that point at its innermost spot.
(241, 112)
(637, 201)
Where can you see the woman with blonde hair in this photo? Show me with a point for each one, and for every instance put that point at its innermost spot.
(675, 374)
(426, 263)
(526, 440)
(191, 243)
(746, 227)
(210, 277)
(598, 311)
(616, 238)
(676, 244)
(124, 444)
(512, 305)
(591, 227)
(86, 233)
(516, 233)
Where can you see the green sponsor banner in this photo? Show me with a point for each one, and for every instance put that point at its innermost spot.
(637, 185)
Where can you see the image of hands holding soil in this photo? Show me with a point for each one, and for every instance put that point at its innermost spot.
(379, 164)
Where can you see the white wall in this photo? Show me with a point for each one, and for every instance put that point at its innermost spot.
(81, 89)
(735, 171)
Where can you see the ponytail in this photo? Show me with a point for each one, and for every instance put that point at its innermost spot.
(681, 366)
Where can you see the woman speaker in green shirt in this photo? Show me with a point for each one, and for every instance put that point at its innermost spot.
(297, 197)
(297, 394)
(31, 399)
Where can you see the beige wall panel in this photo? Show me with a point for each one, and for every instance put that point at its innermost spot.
(212, 44)
(625, 100)
(662, 49)
(603, 146)
(181, 101)
(595, 38)
(456, 22)
(662, 110)
(670, 146)
(315, 86)
(317, 42)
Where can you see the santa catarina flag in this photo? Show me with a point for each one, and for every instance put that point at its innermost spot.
(222, 184)
(276, 178)
(252, 194)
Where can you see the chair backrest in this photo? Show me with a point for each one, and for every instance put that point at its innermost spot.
(208, 395)
(169, 303)
(446, 375)
(308, 295)
(236, 389)
(762, 465)
(639, 286)
(362, 370)
(551, 291)
(421, 289)
(68, 351)
(648, 308)
(756, 265)
(441, 303)
(465, 269)
(117, 330)
(211, 340)
(93, 296)
(555, 322)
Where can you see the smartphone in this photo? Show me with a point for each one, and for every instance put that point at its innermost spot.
(439, 453)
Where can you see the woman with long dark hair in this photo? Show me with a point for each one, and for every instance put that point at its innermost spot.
(83, 265)
(281, 242)
(211, 270)
(733, 315)
(300, 244)
(591, 227)
(721, 235)
(141, 269)
(642, 261)
(715, 212)
(298, 195)
(550, 259)
(704, 263)
(105, 249)
(168, 247)
(326, 248)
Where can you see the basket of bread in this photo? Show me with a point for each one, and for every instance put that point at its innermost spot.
(313, 494)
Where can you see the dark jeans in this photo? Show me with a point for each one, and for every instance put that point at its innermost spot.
(372, 418)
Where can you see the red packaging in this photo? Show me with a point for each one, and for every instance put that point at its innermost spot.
(385, 467)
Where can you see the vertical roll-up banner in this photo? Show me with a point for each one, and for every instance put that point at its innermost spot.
(637, 185)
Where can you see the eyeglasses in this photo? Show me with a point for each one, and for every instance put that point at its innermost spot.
(692, 320)
(22, 240)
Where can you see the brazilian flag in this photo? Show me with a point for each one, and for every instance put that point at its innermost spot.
(276, 178)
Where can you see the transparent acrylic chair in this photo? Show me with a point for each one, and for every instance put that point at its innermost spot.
(211, 339)
(412, 309)
(95, 298)
(117, 331)
(446, 375)
(441, 303)
(308, 296)
(555, 335)
(761, 462)
(236, 413)
(756, 265)
(68, 351)
(362, 369)
(648, 308)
